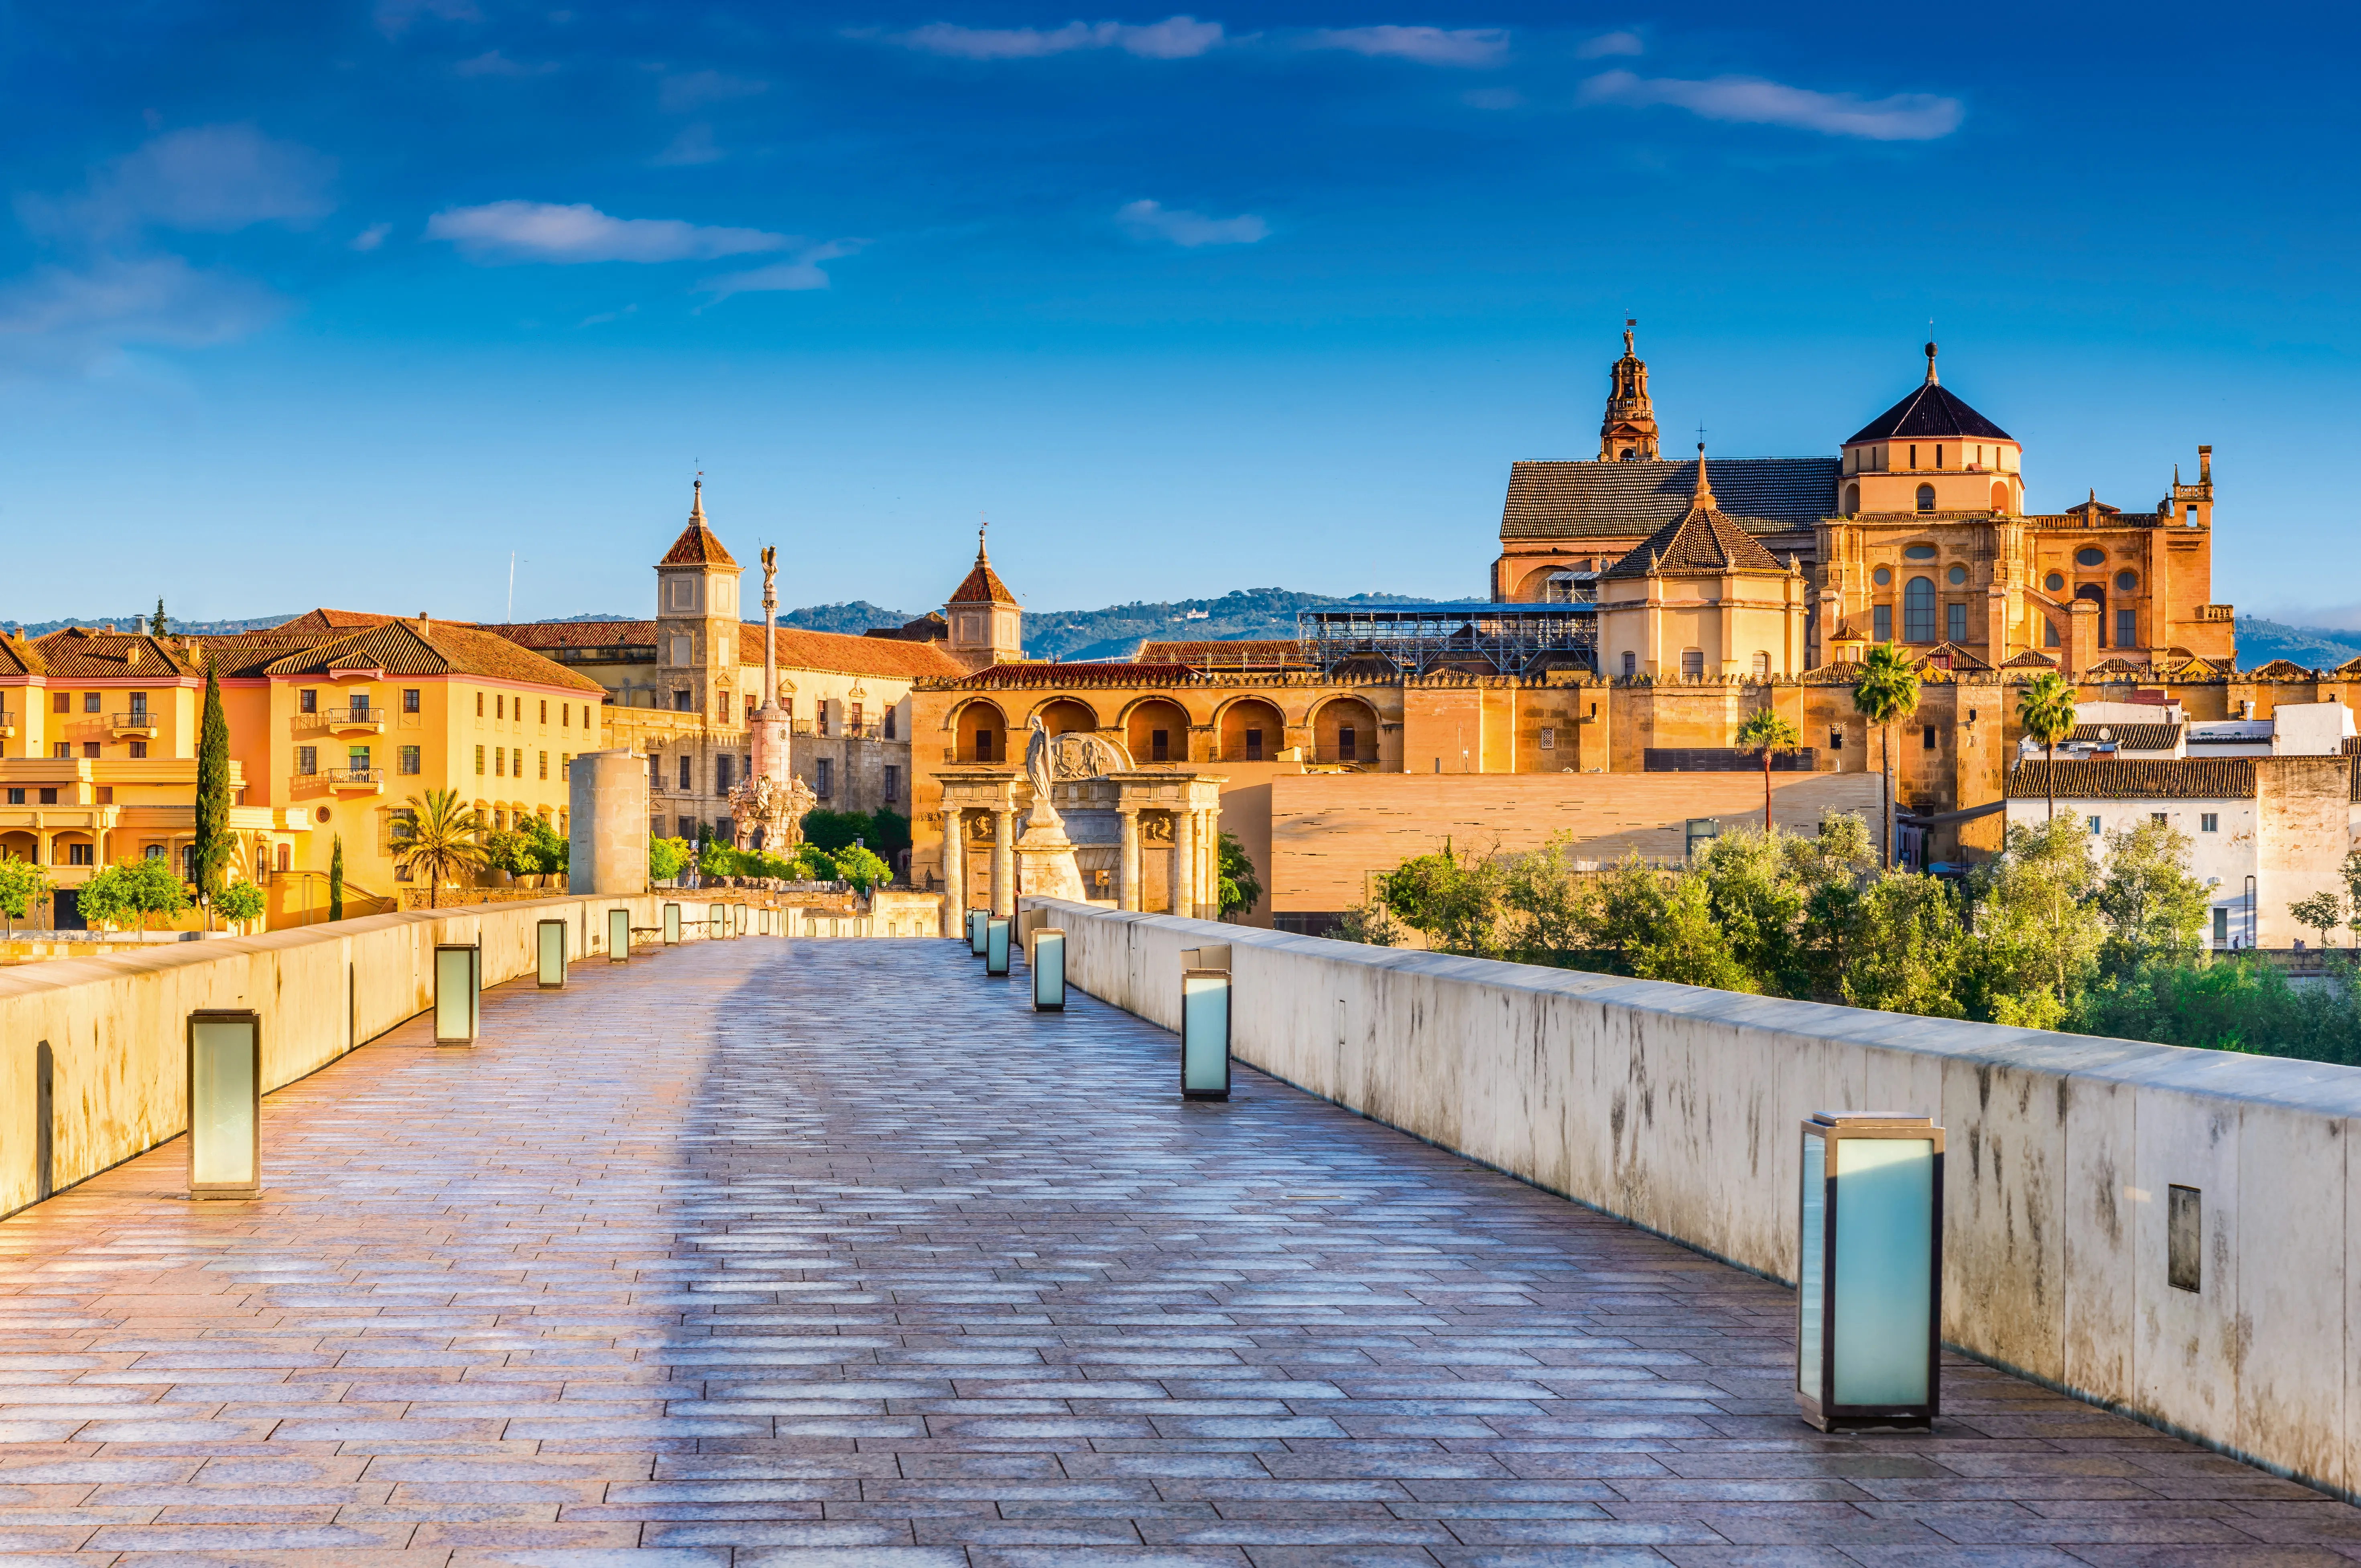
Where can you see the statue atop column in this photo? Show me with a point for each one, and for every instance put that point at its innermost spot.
(767, 810)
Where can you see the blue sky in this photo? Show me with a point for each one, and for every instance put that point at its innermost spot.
(345, 304)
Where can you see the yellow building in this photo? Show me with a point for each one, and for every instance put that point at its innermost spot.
(1701, 595)
(98, 758)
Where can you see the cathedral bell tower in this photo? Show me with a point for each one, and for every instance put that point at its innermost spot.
(697, 621)
(986, 624)
(1627, 433)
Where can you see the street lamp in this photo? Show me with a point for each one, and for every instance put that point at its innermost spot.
(224, 1097)
(1868, 1298)
(618, 935)
(1204, 1033)
(1049, 969)
(458, 981)
(549, 953)
(716, 921)
(975, 919)
(672, 924)
(996, 946)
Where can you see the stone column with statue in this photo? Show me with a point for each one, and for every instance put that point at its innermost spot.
(766, 809)
(1045, 855)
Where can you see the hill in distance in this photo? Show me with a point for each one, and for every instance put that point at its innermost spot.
(2314, 647)
(1117, 631)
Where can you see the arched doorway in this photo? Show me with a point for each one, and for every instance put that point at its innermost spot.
(1852, 499)
(1065, 715)
(1157, 732)
(982, 733)
(2097, 596)
(1345, 730)
(1252, 731)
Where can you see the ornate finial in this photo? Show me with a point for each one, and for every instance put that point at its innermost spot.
(1702, 498)
(1931, 378)
(982, 522)
(696, 499)
(1629, 323)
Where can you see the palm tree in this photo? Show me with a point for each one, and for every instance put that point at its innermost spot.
(1887, 690)
(439, 835)
(2047, 711)
(1763, 733)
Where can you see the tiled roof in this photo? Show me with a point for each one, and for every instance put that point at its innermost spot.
(19, 658)
(1947, 655)
(79, 653)
(2279, 670)
(1244, 652)
(2350, 667)
(2031, 659)
(1703, 540)
(2137, 737)
(1930, 411)
(2194, 778)
(1576, 500)
(831, 651)
(578, 633)
(697, 546)
(982, 584)
(333, 622)
(398, 648)
(250, 654)
(1078, 675)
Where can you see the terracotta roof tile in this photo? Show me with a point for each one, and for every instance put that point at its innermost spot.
(2193, 778)
(1703, 540)
(981, 586)
(333, 622)
(1576, 500)
(1079, 675)
(398, 648)
(2279, 670)
(580, 633)
(79, 653)
(1239, 654)
(2031, 659)
(697, 546)
(831, 651)
(2137, 737)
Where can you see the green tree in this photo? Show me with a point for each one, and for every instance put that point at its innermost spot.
(336, 879)
(239, 902)
(1687, 945)
(1887, 690)
(545, 852)
(718, 860)
(1549, 906)
(1830, 869)
(1453, 902)
(1631, 901)
(1369, 924)
(1240, 888)
(2154, 908)
(439, 838)
(159, 626)
(1910, 949)
(506, 849)
(1767, 734)
(213, 842)
(133, 892)
(22, 884)
(2046, 709)
(667, 857)
(2036, 929)
(834, 830)
(889, 834)
(2323, 912)
(860, 866)
(1752, 892)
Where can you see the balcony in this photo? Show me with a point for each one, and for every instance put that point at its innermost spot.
(2216, 612)
(357, 781)
(995, 758)
(359, 720)
(7, 725)
(139, 723)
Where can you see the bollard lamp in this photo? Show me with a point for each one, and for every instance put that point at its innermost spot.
(1049, 969)
(618, 935)
(975, 919)
(996, 946)
(1868, 1299)
(715, 921)
(672, 924)
(549, 954)
(1206, 1033)
(458, 981)
(225, 1105)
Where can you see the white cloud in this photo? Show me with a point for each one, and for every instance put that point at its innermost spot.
(1153, 220)
(1607, 44)
(545, 231)
(1428, 46)
(372, 236)
(493, 62)
(1175, 38)
(217, 178)
(678, 94)
(801, 274)
(1748, 100)
(82, 317)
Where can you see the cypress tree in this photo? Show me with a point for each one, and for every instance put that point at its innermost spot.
(336, 880)
(158, 627)
(213, 842)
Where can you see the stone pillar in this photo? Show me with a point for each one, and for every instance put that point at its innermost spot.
(954, 872)
(1003, 865)
(1126, 892)
(1209, 866)
(607, 824)
(1184, 865)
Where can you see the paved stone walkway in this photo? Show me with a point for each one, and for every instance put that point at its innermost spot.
(835, 1256)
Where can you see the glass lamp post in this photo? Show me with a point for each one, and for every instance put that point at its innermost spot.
(618, 935)
(975, 919)
(672, 924)
(1206, 1033)
(458, 984)
(1049, 969)
(224, 1089)
(549, 954)
(1868, 1299)
(716, 921)
(996, 946)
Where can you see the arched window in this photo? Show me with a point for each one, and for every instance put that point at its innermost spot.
(2000, 498)
(1762, 666)
(1692, 663)
(1926, 498)
(1853, 499)
(2048, 633)
(1918, 610)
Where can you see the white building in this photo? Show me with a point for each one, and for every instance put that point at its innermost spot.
(2264, 832)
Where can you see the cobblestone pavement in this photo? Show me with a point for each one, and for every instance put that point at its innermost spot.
(835, 1256)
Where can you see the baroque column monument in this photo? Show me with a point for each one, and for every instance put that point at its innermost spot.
(1045, 855)
(766, 811)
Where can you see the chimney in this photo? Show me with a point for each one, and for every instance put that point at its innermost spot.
(425, 627)
(131, 657)
(2204, 464)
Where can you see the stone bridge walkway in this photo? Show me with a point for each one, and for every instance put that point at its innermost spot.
(835, 1256)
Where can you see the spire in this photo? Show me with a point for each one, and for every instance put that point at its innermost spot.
(696, 500)
(1932, 379)
(1703, 500)
(981, 558)
(1628, 432)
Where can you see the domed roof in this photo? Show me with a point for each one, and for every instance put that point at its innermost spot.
(1930, 411)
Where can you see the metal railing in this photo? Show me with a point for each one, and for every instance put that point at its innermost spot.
(356, 715)
(356, 775)
(137, 718)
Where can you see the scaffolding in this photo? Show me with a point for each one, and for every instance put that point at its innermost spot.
(1471, 637)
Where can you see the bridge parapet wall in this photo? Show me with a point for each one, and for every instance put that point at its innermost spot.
(1678, 1109)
